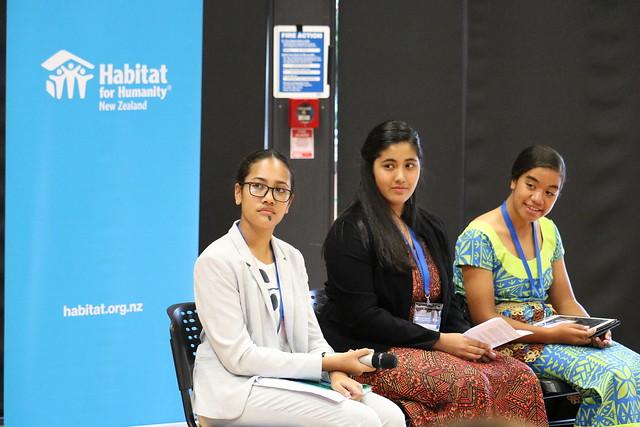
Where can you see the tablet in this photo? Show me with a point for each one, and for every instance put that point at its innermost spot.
(602, 325)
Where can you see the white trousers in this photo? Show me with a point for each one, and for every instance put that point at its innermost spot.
(276, 407)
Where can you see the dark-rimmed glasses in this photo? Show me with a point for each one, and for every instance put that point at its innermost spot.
(259, 189)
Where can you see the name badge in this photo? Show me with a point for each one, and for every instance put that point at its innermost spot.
(428, 315)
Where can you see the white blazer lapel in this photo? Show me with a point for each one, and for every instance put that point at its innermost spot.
(250, 262)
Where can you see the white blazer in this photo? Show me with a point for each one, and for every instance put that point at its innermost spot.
(239, 337)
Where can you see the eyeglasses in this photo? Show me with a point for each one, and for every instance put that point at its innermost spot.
(259, 189)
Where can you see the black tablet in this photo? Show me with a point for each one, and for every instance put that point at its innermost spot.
(602, 325)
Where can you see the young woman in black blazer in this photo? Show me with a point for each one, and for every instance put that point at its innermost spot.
(377, 254)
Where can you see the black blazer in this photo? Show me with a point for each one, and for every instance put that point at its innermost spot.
(368, 306)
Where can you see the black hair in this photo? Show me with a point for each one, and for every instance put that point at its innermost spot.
(388, 243)
(256, 156)
(538, 156)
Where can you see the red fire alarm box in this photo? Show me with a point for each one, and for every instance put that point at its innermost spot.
(304, 113)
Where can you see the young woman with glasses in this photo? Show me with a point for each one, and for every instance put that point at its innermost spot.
(253, 300)
(389, 288)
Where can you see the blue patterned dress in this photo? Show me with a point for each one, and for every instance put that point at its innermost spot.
(608, 379)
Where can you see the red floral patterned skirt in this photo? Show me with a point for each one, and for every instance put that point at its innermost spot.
(435, 388)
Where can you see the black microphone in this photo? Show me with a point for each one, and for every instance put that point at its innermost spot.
(380, 360)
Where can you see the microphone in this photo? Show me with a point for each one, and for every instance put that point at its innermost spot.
(380, 360)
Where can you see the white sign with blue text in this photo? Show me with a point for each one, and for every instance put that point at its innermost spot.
(300, 61)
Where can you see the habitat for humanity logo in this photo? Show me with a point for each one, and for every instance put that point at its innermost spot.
(124, 88)
(68, 70)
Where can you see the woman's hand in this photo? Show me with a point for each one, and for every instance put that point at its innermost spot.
(346, 386)
(463, 347)
(347, 362)
(570, 333)
(602, 341)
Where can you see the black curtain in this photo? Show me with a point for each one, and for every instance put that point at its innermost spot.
(402, 60)
(565, 74)
(233, 107)
(481, 80)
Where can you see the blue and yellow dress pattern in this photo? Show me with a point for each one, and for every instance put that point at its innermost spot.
(608, 379)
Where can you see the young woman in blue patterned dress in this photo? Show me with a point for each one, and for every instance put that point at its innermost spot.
(499, 259)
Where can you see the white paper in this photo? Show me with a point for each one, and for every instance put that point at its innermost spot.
(301, 387)
(495, 332)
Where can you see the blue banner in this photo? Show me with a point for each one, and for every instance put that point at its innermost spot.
(102, 187)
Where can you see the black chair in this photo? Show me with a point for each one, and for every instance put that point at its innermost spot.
(184, 330)
(318, 299)
(561, 402)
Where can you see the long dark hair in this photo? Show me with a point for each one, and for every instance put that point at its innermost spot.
(388, 243)
(538, 156)
(256, 156)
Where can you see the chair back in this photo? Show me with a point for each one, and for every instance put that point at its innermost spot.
(184, 331)
(561, 402)
(318, 299)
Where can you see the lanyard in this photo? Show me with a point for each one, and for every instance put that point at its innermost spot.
(421, 261)
(279, 289)
(281, 304)
(516, 242)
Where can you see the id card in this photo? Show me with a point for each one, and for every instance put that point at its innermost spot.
(428, 315)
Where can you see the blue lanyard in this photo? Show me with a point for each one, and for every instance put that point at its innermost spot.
(516, 242)
(421, 260)
(279, 289)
